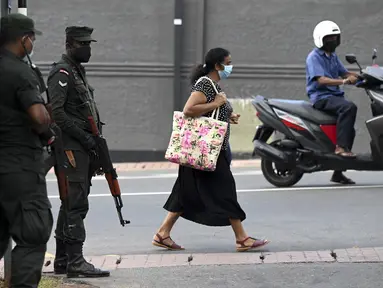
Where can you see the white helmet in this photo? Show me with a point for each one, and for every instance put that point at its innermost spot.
(323, 29)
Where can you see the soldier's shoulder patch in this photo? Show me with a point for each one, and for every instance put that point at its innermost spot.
(64, 71)
(62, 84)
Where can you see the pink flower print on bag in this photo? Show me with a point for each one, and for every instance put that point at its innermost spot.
(181, 122)
(211, 166)
(216, 142)
(191, 160)
(203, 147)
(203, 131)
(186, 140)
(174, 158)
(222, 131)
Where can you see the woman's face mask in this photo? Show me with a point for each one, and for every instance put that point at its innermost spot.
(225, 73)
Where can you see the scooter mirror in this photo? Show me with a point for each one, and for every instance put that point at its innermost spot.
(351, 58)
(374, 52)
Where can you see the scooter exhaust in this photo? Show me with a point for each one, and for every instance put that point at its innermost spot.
(269, 152)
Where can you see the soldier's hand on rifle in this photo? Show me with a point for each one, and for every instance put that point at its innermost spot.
(89, 142)
(99, 172)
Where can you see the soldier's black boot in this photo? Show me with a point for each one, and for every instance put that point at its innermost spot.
(61, 258)
(78, 267)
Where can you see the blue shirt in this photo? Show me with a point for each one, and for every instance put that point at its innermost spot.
(318, 64)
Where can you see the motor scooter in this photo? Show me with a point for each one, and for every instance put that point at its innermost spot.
(308, 137)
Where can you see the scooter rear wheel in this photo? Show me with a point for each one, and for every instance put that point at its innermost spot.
(278, 175)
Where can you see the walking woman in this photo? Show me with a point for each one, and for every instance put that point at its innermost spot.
(207, 198)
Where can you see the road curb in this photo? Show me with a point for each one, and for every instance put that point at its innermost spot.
(160, 166)
(170, 259)
(352, 255)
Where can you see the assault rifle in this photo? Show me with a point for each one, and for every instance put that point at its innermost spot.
(106, 167)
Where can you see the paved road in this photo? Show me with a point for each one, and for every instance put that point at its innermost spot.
(313, 215)
(249, 276)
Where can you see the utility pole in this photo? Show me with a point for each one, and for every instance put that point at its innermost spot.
(178, 39)
(5, 7)
(22, 7)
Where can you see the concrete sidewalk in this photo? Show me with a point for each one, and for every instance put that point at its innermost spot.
(240, 269)
(171, 259)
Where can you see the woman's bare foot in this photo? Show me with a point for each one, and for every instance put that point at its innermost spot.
(166, 242)
(250, 243)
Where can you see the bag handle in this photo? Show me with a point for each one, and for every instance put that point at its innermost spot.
(216, 91)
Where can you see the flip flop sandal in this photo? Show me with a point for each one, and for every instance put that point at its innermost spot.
(346, 154)
(257, 244)
(160, 243)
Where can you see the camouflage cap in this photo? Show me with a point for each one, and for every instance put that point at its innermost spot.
(17, 24)
(81, 34)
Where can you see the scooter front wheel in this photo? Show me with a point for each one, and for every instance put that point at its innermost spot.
(278, 175)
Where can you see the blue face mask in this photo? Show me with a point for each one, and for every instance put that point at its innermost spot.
(224, 74)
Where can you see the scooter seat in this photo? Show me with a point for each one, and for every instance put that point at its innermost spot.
(304, 110)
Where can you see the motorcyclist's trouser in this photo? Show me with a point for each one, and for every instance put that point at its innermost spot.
(346, 113)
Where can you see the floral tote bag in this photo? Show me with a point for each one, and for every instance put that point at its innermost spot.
(196, 142)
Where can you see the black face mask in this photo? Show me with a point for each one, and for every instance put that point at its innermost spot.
(81, 54)
(330, 46)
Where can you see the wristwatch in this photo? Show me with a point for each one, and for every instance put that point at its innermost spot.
(346, 81)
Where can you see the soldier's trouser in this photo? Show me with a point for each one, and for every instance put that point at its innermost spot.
(25, 215)
(79, 178)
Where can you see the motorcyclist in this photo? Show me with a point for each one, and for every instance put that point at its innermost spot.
(325, 73)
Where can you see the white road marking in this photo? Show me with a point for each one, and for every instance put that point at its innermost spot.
(52, 178)
(345, 187)
(159, 176)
